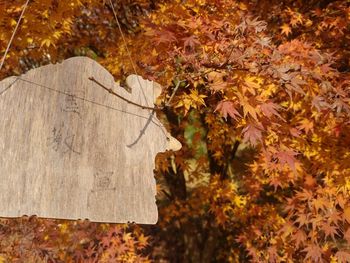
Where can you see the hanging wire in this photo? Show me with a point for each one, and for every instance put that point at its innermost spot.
(13, 35)
(74, 96)
(86, 100)
(109, 90)
(127, 50)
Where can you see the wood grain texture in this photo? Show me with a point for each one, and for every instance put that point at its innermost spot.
(70, 150)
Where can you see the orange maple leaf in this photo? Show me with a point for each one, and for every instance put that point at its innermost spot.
(286, 29)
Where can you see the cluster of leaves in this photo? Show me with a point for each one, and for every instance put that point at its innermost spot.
(324, 23)
(53, 30)
(30, 239)
(284, 100)
(261, 108)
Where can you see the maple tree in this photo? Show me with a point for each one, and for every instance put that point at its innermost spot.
(260, 105)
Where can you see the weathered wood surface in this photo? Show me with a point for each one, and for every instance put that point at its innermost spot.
(62, 156)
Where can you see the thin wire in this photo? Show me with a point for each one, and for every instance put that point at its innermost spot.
(77, 97)
(8, 87)
(13, 34)
(127, 50)
(80, 98)
(142, 132)
(121, 97)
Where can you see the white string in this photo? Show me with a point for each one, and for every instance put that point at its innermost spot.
(128, 51)
(121, 32)
(13, 34)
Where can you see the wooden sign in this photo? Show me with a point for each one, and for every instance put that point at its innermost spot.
(70, 150)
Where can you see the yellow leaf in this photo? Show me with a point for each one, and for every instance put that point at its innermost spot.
(242, 6)
(57, 34)
(268, 90)
(63, 228)
(194, 100)
(240, 201)
(247, 108)
(333, 259)
(47, 42)
(45, 14)
(13, 22)
(197, 98)
(286, 29)
(308, 23)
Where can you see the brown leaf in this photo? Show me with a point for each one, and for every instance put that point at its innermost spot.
(216, 81)
(319, 103)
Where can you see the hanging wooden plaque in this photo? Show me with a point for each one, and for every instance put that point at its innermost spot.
(70, 150)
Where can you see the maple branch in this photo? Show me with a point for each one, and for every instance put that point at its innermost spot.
(222, 65)
(175, 182)
(167, 195)
(173, 94)
(121, 97)
(229, 55)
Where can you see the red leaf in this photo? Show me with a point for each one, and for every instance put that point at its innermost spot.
(330, 230)
(299, 237)
(287, 157)
(272, 254)
(252, 134)
(313, 252)
(302, 220)
(162, 36)
(227, 108)
(294, 132)
(190, 41)
(269, 109)
(320, 203)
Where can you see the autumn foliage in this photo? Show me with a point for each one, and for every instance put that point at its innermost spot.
(258, 93)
